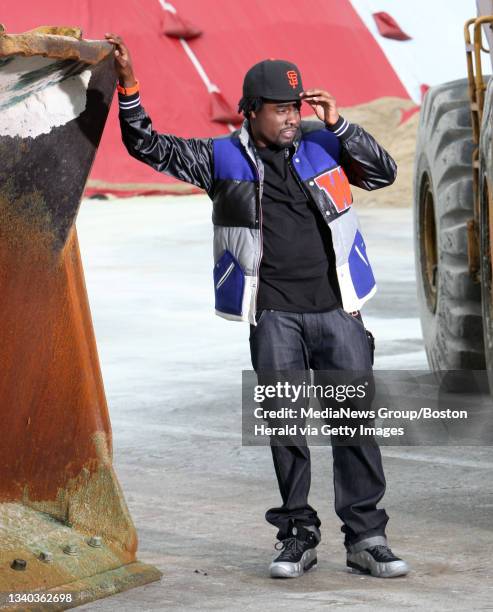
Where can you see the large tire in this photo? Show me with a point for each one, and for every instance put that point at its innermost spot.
(449, 299)
(486, 227)
(487, 276)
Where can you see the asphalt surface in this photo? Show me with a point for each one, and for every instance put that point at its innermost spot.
(172, 373)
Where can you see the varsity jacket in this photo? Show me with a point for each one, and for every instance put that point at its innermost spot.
(326, 161)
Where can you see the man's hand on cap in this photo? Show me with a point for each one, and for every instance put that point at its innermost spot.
(323, 104)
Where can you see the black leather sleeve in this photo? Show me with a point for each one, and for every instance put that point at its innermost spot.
(365, 162)
(187, 159)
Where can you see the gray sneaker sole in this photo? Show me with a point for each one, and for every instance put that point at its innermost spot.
(364, 563)
(283, 569)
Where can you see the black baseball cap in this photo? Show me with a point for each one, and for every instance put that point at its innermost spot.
(274, 80)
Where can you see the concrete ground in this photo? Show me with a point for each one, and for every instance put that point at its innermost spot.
(172, 373)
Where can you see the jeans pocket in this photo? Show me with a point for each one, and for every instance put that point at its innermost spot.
(371, 344)
(259, 317)
(369, 336)
(358, 319)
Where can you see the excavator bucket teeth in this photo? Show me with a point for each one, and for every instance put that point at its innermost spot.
(64, 525)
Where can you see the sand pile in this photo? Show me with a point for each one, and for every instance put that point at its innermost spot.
(381, 119)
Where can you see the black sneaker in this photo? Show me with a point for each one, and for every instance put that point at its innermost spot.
(379, 561)
(297, 553)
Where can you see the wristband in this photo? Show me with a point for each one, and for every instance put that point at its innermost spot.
(128, 91)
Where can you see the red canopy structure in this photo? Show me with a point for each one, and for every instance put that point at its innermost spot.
(191, 85)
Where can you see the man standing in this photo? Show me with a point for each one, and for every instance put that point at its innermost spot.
(290, 259)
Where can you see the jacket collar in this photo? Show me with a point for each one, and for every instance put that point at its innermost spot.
(247, 141)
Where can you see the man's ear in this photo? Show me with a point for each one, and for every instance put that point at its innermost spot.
(253, 115)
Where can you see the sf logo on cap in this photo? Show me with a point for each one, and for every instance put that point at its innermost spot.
(292, 78)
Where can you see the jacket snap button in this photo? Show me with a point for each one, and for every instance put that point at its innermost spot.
(297, 159)
(311, 183)
(327, 212)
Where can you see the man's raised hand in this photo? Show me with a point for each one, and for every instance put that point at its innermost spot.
(123, 62)
(323, 104)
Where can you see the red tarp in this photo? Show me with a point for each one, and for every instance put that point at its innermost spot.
(325, 38)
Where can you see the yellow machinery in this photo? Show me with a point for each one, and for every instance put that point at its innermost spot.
(453, 180)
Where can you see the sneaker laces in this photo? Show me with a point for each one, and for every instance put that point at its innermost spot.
(288, 548)
(382, 553)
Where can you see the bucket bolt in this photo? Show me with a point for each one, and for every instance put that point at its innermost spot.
(95, 541)
(19, 565)
(71, 549)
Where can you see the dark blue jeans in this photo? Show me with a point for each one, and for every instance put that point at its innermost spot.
(333, 340)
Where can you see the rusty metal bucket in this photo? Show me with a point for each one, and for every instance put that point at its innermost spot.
(64, 524)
